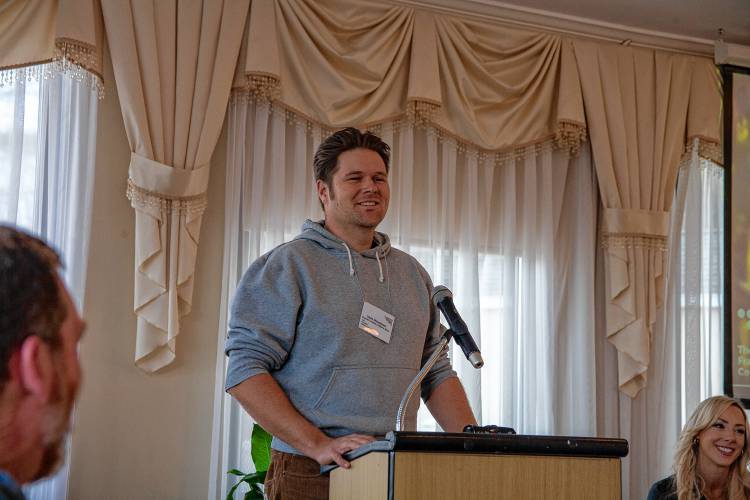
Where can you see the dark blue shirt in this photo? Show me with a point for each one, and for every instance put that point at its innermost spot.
(9, 489)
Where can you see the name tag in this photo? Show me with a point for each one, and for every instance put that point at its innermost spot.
(376, 322)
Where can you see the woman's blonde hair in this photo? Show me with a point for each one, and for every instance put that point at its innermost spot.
(689, 484)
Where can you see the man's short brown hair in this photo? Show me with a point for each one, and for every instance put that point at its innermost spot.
(326, 158)
(30, 298)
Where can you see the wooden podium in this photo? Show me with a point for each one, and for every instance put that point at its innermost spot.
(431, 466)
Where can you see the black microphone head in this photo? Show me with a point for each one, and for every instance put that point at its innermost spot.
(439, 293)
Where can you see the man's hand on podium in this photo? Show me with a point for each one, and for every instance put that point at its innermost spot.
(331, 450)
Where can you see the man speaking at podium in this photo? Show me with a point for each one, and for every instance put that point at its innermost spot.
(327, 331)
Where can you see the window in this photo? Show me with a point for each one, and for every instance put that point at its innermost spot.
(47, 147)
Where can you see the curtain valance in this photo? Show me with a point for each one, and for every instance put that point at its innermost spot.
(34, 32)
(349, 62)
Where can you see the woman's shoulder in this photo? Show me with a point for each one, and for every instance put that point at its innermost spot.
(663, 490)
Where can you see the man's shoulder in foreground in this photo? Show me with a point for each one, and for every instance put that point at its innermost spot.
(9, 489)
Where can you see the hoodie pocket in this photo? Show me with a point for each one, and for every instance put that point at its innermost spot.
(365, 391)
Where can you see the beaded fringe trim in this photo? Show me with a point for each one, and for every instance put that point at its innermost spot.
(265, 88)
(704, 165)
(567, 138)
(693, 151)
(79, 60)
(143, 198)
(707, 149)
(628, 240)
(49, 70)
(421, 113)
(79, 53)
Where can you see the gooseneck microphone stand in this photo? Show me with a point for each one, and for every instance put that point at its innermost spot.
(442, 298)
(441, 349)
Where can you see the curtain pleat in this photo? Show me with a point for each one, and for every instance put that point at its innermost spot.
(173, 66)
(487, 85)
(637, 106)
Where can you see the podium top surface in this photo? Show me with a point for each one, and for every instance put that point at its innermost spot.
(500, 444)
(517, 444)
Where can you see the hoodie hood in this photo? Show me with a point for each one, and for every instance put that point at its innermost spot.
(315, 231)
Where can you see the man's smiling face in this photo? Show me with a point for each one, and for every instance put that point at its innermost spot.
(359, 192)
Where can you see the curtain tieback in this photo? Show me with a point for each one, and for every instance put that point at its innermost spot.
(156, 185)
(623, 227)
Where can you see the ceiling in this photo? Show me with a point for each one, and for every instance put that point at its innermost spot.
(690, 25)
(690, 18)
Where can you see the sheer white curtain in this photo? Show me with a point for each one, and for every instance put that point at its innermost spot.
(514, 239)
(269, 193)
(512, 236)
(47, 150)
(697, 287)
(686, 364)
(691, 360)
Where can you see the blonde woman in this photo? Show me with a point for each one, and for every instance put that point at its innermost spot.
(712, 455)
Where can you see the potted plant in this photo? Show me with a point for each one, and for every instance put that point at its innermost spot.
(260, 451)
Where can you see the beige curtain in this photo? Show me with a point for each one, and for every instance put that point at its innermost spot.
(34, 32)
(642, 107)
(173, 65)
(500, 90)
(345, 62)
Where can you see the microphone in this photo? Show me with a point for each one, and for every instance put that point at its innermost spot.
(443, 300)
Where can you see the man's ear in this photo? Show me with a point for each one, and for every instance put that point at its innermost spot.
(323, 191)
(36, 368)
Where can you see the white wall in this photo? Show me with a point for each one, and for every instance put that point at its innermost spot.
(140, 436)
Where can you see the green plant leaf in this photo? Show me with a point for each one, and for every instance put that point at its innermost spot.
(230, 494)
(260, 448)
(254, 478)
(254, 495)
(236, 472)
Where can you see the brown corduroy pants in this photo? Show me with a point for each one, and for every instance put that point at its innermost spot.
(294, 477)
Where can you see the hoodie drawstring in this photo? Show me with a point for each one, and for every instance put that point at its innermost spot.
(351, 264)
(380, 266)
(381, 278)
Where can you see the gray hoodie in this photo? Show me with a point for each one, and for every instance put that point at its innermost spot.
(296, 314)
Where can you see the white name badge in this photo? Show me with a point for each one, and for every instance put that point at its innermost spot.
(376, 322)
